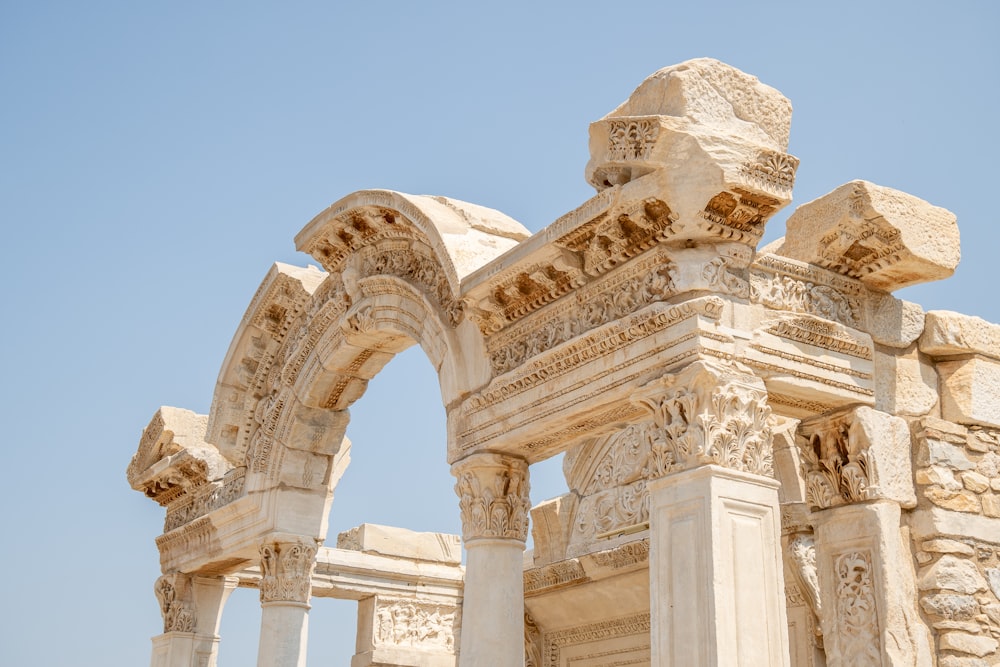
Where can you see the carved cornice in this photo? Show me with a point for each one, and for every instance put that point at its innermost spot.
(493, 496)
(286, 570)
(709, 413)
(173, 592)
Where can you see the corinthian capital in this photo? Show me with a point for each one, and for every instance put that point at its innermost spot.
(286, 567)
(173, 592)
(709, 413)
(493, 496)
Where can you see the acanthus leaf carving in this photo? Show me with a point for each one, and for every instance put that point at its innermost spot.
(493, 496)
(173, 592)
(710, 414)
(286, 570)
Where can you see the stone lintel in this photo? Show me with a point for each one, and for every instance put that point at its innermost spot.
(371, 538)
(948, 334)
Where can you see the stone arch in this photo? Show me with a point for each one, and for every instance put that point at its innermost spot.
(311, 340)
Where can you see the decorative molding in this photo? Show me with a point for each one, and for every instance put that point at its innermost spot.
(709, 413)
(532, 642)
(771, 171)
(783, 284)
(493, 496)
(417, 265)
(173, 592)
(555, 642)
(286, 571)
(552, 576)
(206, 499)
(739, 215)
(625, 555)
(415, 624)
(856, 613)
(821, 333)
(802, 554)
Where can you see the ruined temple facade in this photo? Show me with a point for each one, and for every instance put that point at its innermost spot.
(771, 460)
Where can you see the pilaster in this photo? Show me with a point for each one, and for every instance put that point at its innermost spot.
(192, 610)
(493, 498)
(858, 476)
(716, 582)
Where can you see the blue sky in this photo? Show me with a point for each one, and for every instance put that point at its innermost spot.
(156, 158)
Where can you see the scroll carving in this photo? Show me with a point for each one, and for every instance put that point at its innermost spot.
(532, 642)
(709, 414)
(173, 592)
(493, 496)
(802, 551)
(631, 139)
(857, 617)
(286, 569)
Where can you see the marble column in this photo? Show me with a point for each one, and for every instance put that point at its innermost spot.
(716, 580)
(493, 498)
(192, 610)
(286, 564)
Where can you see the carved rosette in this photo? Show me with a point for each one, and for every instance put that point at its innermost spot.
(709, 413)
(286, 570)
(173, 592)
(493, 496)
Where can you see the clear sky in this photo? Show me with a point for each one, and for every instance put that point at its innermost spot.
(157, 157)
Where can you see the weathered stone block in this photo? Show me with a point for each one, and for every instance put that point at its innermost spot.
(969, 390)
(952, 574)
(886, 238)
(948, 334)
(963, 642)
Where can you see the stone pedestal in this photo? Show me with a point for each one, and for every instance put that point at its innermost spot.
(286, 582)
(867, 586)
(493, 493)
(716, 584)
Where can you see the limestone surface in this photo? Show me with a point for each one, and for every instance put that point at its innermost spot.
(886, 238)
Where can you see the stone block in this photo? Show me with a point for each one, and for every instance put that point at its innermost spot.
(969, 390)
(948, 334)
(950, 606)
(945, 546)
(959, 501)
(952, 574)
(402, 543)
(886, 238)
(904, 385)
(938, 476)
(975, 482)
(963, 642)
(991, 504)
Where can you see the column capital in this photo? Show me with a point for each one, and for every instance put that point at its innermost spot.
(286, 566)
(855, 455)
(174, 593)
(493, 496)
(709, 413)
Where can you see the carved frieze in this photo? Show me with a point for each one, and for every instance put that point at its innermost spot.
(356, 228)
(786, 285)
(206, 499)
(414, 623)
(493, 496)
(631, 138)
(623, 556)
(173, 592)
(286, 570)
(417, 265)
(554, 575)
(709, 413)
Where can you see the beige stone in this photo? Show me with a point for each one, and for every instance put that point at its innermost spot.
(975, 482)
(946, 546)
(939, 476)
(950, 334)
(991, 504)
(886, 238)
(904, 384)
(952, 574)
(399, 542)
(969, 388)
(960, 501)
(963, 642)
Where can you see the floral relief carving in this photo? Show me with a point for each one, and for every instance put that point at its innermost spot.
(286, 571)
(173, 592)
(802, 552)
(857, 616)
(772, 171)
(709, 413)
(782, 285)
(631, 139)
(493, 496)
(407, 262)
